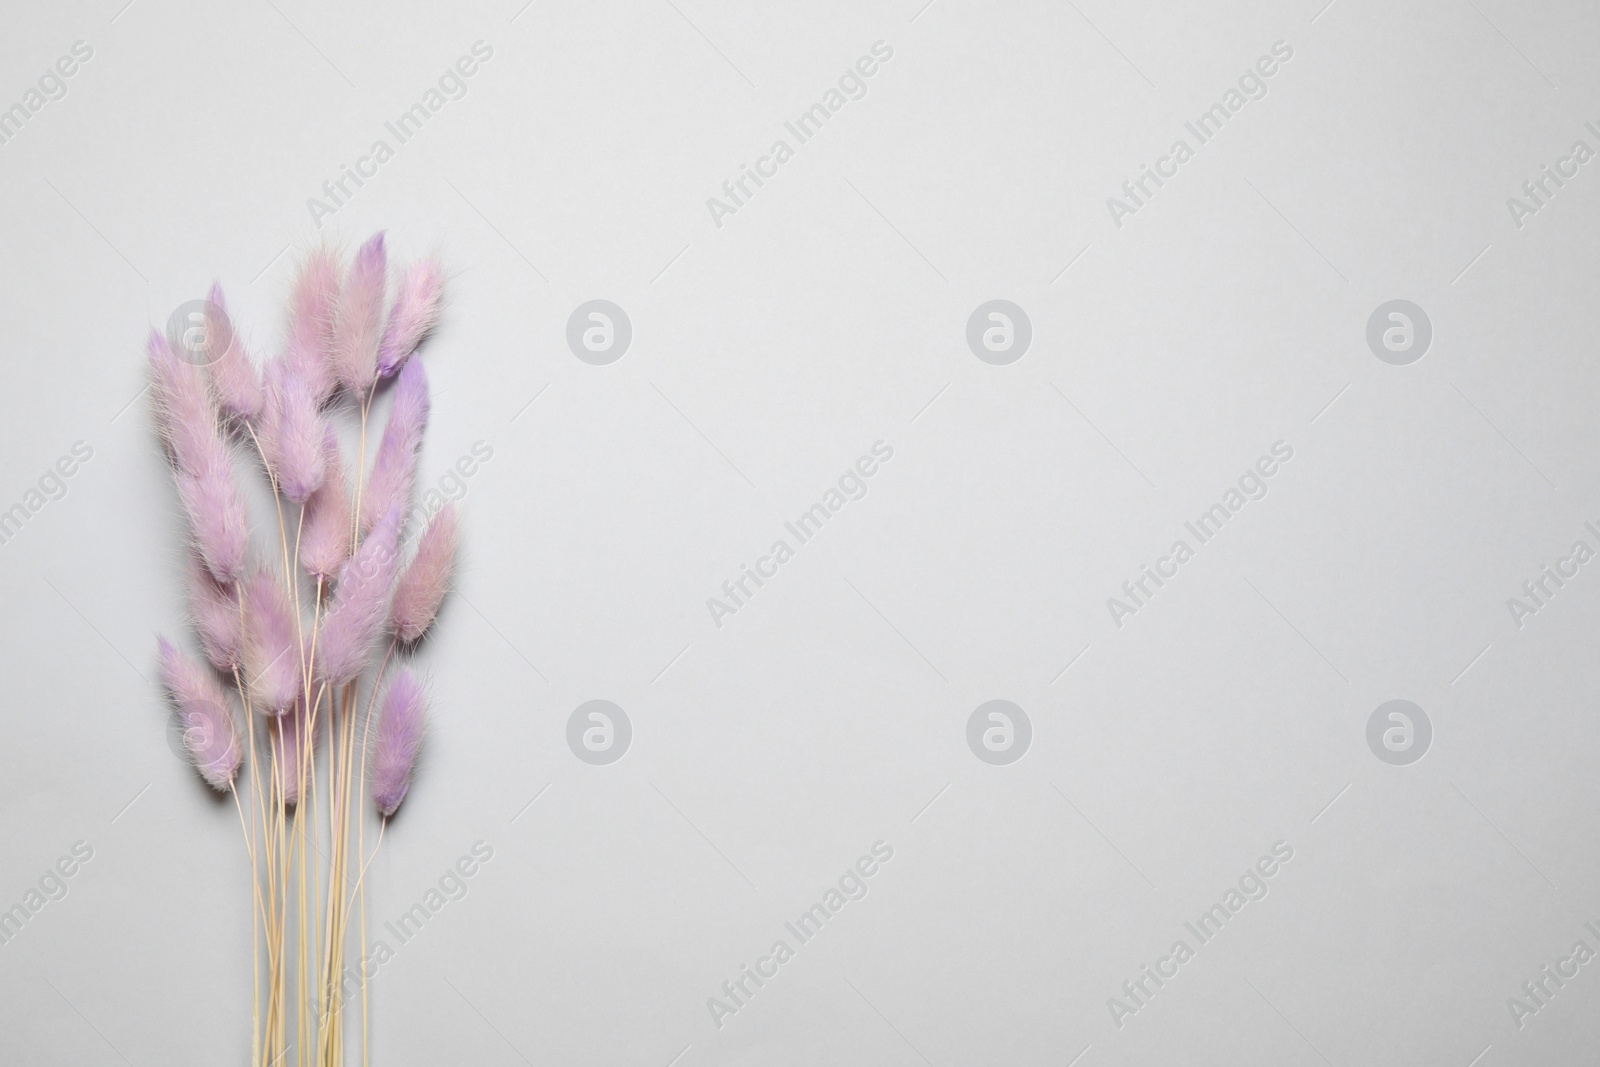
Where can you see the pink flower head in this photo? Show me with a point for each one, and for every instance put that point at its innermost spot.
(233, 375)
(399, 736)
(415, 311)
(217, 522)
(389, 485)
(360, 604)
(210, 734)
(292, 433)
(313, 311)
(325, 540)
(184, 415)
(289, 736)
(359, 328)
(271, 654)
(215, 608)
(422, 585)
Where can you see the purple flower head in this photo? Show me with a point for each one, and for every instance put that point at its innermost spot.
(399, 736)
(422, 585)
(293, 433)
(360, 604)
(325, 538)
(415, 311)
(210, 734)
(184, 415)
(313, 311)
(271, 652)
(215, 609)
(389, 485)
(359, 328)
(233, 375)
(217, 521)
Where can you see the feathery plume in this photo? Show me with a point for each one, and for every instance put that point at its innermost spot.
(415, 311)
(215, 609)
(233, 376)
(288, 734)
(184, 415)
(293, 432)
(359, 328)
(389, 485)
(210, 496)
(313, 310)
(360, 604)
(210, 734)
(325, 540)
(399, 735)
(426, 578)
(271, 654)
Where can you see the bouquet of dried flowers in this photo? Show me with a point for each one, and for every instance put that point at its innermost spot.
(273, 711)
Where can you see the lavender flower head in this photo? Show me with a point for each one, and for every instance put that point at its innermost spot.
(426, 579)
(415, 311)
(271, 654)
(359, 328)
(360, 604)
(233, 376)
(313, 312)
(394, 469)
(293, 432)
(399, 736)
(210, 735)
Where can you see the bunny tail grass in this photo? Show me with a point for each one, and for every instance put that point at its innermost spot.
(210, 734)
(271, 653)
(360, 604)
(415, 311)
(359, 328)
(399, 735)
(217, 520)
(293, 428)
(426, 579)
(233, 375)
(215, 610)
(389, 485)
(313, 312)
(325, 541)
(184, 415)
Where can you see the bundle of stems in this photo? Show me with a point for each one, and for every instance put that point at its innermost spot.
(276, 713)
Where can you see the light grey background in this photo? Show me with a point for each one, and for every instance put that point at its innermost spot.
(768, 354)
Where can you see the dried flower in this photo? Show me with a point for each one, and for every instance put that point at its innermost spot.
(184, 415)
(359, 328)
(210, 734)
(360, 604)
(271, 651)
(415, 311)
(422, 585)
(313, 310)
(233, 375)
(292, 433)
(217, 520)
(389, 485)
(399, 736)
(325, 539)
(216, 613)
